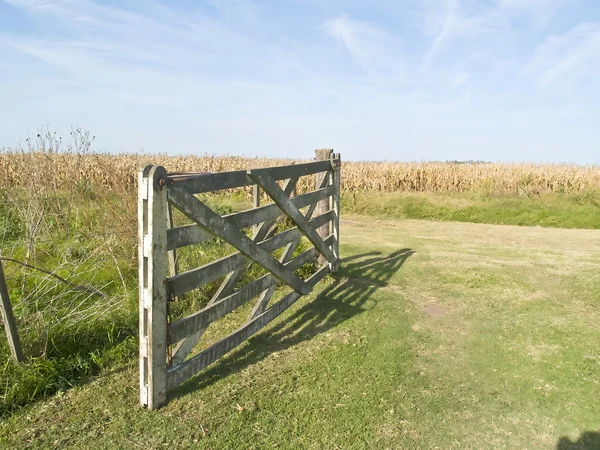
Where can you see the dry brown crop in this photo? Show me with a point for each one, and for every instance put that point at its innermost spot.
(118, 172)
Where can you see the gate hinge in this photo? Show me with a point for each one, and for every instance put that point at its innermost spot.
(335, 160)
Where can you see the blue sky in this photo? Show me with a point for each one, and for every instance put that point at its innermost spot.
(499, 80)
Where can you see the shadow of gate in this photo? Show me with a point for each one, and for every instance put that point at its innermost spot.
(359, 277)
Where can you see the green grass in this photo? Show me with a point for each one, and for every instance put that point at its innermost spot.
(68, 334)
(433, 335)
(579, 210)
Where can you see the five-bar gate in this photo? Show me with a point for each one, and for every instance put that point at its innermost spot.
(165, 346)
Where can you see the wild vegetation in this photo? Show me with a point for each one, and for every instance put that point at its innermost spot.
(62, 164)
(68, 246)
(435, 335)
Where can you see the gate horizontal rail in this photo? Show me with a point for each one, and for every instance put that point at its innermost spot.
(166, 344)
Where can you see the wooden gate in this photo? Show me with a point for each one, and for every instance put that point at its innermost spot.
(165, 345)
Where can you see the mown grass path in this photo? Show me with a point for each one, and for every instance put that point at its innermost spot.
(433, 335)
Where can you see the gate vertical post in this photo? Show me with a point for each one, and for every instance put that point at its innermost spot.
(322, 154)
(335, 205)
(153, 221)
(256, 202)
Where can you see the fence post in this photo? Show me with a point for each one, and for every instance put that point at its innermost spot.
(153, 221)
(322, 154)
(10, 325)
(172, 254)
(335, 205)
(256, 202)
(256, 196)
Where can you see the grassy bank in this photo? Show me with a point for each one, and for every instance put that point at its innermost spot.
(434, 335)
(71, 271)
(578, 210)
(71, 264)
(88, 238)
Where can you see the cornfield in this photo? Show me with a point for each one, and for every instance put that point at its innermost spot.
(119, 173)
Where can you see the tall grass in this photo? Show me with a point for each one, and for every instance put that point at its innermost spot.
(68, 243)
(68, 229)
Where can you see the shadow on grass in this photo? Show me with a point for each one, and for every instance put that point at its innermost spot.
(355, 283)
(587, 441)
(70, 359)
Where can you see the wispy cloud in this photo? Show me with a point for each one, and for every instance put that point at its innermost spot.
(570, 55)
(450, 22)
(372, 48)
(463, 22)
(279, 78)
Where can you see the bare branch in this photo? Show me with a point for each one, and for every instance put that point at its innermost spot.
(75, 286)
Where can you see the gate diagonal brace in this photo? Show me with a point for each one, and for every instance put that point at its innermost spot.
(262, 178)
(217, 226)
(184, 347)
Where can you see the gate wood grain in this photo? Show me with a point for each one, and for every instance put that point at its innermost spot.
(152, 289)
(194, 234)
(185, 346)
(162, 371)
(192, 279)
(179, 374)
(196, 184)
(184, 327)
(270, 187)
(211, 221)
(265, 297)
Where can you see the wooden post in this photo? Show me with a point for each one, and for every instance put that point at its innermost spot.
(256, 203)
(322, 154)
(335, 205)
(10, 325)
(152, 250)
(172, 254)
(256, 195)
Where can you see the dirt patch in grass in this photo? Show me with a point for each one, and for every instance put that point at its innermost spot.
(434, 311)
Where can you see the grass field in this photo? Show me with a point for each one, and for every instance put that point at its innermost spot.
(433, 335)
(577, 210)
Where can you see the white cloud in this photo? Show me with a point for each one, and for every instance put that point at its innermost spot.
(454, 23)
(213, 78)
(449, 21)
(371, 48)
(573, 54)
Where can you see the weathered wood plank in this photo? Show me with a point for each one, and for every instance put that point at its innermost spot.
(184, 371)
(172, 253)
(201, 319)
(8, 317)
(194, 278)
(323, 154)
(255, 196)
(262, 302)
(153, 293)
(294, 170)
(313, 206)
(336, 208)
(143, 282)
(194, 234)
(265, 297)
(185, 346)
(286, 205)
(211, 221)
(230, 180)
(229, 283)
